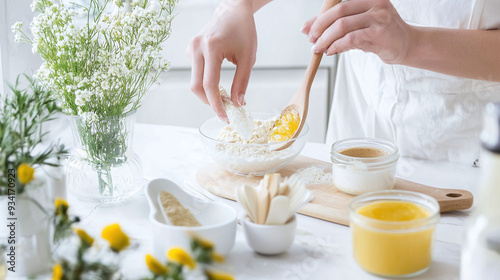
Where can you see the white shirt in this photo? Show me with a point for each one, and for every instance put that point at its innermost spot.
(428, 115)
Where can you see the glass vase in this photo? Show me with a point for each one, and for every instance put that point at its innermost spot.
(103, 166)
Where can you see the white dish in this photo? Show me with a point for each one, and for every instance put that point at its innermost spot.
(270, 239)
(218, 221)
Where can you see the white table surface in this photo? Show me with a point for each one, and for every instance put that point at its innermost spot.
(322, 250)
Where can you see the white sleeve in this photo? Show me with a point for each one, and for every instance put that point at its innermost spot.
(490, 18)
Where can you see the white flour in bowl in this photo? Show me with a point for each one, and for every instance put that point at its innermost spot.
(239, 118)
(260, 134)
(251, 156)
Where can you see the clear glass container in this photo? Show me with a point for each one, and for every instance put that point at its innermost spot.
(250, 159)
(103, 166)
(398, 247)
(361, 165)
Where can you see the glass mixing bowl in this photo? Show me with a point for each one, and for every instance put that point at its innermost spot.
(250, 159)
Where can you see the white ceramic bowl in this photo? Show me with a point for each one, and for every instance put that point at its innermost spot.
(218, 221)
(270, 239)
(248, 158)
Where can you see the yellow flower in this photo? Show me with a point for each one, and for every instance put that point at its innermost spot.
(58, 202)
(61, 206)
(218, 275)
(217, 257)
(204, 243)
(116, 238)
(84, 237)
(57, 272)
(178, 255)
(155, 266)
(25, 173)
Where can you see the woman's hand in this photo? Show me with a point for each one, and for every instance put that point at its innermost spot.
(370, 25)
(229, 35)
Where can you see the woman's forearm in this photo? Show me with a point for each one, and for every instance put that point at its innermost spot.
(254, 5)
(257, 4)
(231, 35)
(377, 27)
(471, 54)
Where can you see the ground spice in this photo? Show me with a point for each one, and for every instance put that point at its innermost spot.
(176, 213)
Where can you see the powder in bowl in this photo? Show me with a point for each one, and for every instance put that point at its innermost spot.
(255, 156)
(177, 214)
(247, 156)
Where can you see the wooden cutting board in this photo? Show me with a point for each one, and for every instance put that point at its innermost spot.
(329, 203)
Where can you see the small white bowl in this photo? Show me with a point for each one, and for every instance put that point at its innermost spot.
(270, 239)
(218, 221)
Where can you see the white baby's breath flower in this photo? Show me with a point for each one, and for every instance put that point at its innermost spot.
(39, 5)
(89, 118)
(16, 27)
(79, 101)
(33, 6)
(82, 97)
(93, 67)
(18, 38)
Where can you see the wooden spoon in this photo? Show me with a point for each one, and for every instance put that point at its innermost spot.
(250, 197)
(242, 200)
(274, 182)
(284, 189)
(262, 205)
(300, 101)
(278, 210)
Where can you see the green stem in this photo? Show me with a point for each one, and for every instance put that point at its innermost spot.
(38, 205)
(105, 180)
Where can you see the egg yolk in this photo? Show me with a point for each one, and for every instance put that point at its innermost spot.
(285, 127)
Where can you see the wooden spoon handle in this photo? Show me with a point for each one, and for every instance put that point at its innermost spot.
(262, 206)
(300, 101)
(313, 66)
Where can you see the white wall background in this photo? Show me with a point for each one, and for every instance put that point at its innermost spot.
(16, 58)
(282, 57)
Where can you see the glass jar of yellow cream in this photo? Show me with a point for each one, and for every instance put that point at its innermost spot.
(392, 232)
(361, 165)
